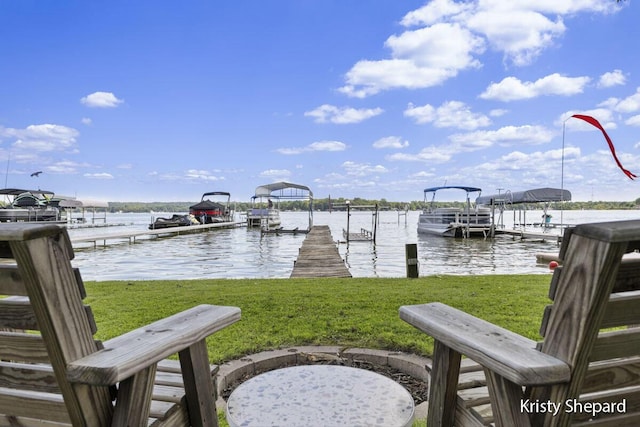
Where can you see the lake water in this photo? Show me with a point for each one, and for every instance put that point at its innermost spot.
(246, 253)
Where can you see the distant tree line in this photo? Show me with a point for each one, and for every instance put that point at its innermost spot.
(327, 204)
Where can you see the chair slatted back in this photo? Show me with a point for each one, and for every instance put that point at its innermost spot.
(29, 385)
(593, 324)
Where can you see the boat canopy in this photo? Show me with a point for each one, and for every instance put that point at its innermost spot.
(82, 204)
(450, 187)
(216, 193)
(17, 192)
(206, 205)
(277, 190)
(536, 195)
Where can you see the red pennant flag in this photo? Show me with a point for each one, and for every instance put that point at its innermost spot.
(597, 124)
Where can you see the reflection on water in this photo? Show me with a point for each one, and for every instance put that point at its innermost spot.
(245, 253)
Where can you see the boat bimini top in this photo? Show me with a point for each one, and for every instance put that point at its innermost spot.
(277, 191)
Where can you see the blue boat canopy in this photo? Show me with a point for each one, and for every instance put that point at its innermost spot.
(452, 187)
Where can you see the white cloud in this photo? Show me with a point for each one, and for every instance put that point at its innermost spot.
(434, 11)
(445, 37)
(66, 167)
(276, 174)
(390, 142)
(429, 155)
(612, 78)
(602, 115)
(422, 58)
(505, 136)
(86, 121)
(345, 115)
(101, 100)
(512, 88)
(362, 169)
(202, 175)
(533, 168)
(450, 114)
(475, 141)
(44, 137)
(498, 112)
(521, 34)
(314, 146)
(101, 175)
(633, 121)
(630, 104)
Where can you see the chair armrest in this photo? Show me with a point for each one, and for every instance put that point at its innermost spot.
(506, 353)
(127, 354)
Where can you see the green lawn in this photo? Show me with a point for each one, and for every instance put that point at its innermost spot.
(346, 312)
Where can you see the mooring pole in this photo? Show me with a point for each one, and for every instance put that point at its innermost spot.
(411, 255)
(348, 218)
(375, 223)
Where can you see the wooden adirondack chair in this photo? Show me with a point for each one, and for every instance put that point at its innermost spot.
(586, 371)
(53, 373)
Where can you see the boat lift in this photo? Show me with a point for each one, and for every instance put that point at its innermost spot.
(364, 235)
(537, 196)
(279, 191)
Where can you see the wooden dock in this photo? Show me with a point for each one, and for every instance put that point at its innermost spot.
(131, 236)
(530, 235)
(319, 256)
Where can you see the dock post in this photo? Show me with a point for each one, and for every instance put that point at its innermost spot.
(375, 223)
(411, 255)
(348, 219)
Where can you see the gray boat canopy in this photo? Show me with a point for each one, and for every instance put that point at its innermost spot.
(277, 191)
(536, 195)
(18, 191)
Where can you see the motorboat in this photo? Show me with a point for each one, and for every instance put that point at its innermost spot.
(454, 220)
(209, 211)
(28, 205)
(265, 204)
(176, 220)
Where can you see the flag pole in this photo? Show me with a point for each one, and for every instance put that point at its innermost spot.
(564, 124)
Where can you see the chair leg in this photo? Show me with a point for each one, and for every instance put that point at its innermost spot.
(443, 386)
(198, 385)
(134, 399)
(506, 398)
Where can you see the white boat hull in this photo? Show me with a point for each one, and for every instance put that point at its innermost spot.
(263, 218)
(455, 222)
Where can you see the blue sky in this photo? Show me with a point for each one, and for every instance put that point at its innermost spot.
(163, 101)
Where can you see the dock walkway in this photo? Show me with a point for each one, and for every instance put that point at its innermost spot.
(131, 236)
(319, 256)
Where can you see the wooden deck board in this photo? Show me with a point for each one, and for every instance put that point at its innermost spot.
(132, 235)
(319, 256)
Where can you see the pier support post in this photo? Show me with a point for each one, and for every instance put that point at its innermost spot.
(411, 255)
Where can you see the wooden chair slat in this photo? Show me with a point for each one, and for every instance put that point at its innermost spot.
(623, 420)
(622, 310)
(33, 404)
(616, 344)
(628, 278)
(7, 420)
(16, 313)
(619, 401)
(615, 373)
(10, 281)
(23, 347)
(25, 376)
